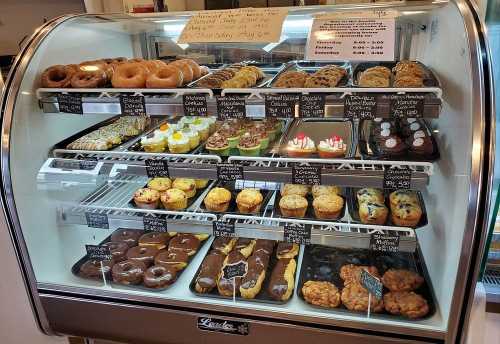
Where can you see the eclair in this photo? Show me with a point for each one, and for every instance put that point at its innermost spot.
(282, 280)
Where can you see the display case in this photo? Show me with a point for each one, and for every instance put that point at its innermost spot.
(236, 191)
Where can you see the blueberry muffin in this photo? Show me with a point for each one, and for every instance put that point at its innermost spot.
(370, 195)
(406, 214)
(403, 196)
(373, 213)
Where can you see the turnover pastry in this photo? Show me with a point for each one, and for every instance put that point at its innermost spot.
(378, 76)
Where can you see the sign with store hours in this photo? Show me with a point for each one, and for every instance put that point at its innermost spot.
(306, 175)
(229, 107)
(297, 233)
(96, 220)
(410, 105)
(361, 106)
(223, 229)
(98, 252)
(195, 104)
(369, 36)
(235, 270)
(155, 223)
(384, 242)
(312, 105)
(132, 105)
(281, 105)
(372, 284)
(228, 172)
(70, 103)
(397, 178)
(156, 168)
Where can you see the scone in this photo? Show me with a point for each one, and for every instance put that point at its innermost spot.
(371, 213)
(406, 214)
(328, 207)
(321, 293)
(352, 273)
(406, 303)
(293, 206)
(295, 189)
(160, 184)
(218, 200)
(318, 190)
(378, 76)
(185, 184)
(249, 201)
(403, 196)
(146, 198)
(401, 280)
(355, 298)
(174, 199)
(370, 195)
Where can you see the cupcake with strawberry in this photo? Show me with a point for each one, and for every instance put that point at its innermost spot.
(302, 146)
(333, 147)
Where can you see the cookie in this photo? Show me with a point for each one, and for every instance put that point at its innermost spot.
(355, 297)
(352, 273)
(406, 303)
(402, 280)
(321, 293)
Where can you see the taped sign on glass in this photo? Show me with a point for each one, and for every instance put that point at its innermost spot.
(281, 105)
(312, 105)
(98, 252)
(132, 105)
(195, 104)
(306, 175)
(397, 178)
(229, 107)
(362, 106)
(70, 103)
(384, 242)
(410, 105)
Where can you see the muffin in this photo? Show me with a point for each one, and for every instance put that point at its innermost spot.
(249, 145)
(201, 183)
(293, 206)
(406, 214)
(178, 143)
(218, 200)
(160, 184)
(218, 144)
(370, 195)
(371, 213)
(403, 196)
(300, 147)
(185, 184)
(174, 199)
(352, 273)
(328, 207)
(146, 198)
(295, 189)
(249, 201)
(318, 190)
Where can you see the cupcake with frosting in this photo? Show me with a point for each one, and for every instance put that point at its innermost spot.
(178, 143)
(202, 127)
(249, 145)
(153, 143)
(211, 120)
(218, 144)
(333, 147)
(302, 146)
(193, 137)
(164, 131)
(231, 133)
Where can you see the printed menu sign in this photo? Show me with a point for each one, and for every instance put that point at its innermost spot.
(384, 242)
(355, 37)
(96, 220)
(360, 106)
(306, 175)
(98, 252)
(194, 104)
(410, 105)
(229, 172)
(297, 233)
(236, 25)
(70, 103)
(235, 270)
(230, 107)
(312, 105)
(132, 105)
(156, 168)
(155, 224)
(281, 105)
(372, 284)
(396, 178)
(223, 229)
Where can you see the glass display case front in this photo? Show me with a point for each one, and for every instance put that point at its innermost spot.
(241, 188)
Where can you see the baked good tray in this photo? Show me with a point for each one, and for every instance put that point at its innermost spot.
(311, 67)
(354, 207)
(369, 150)
(320, 263)
(262, 297)
(75, 269)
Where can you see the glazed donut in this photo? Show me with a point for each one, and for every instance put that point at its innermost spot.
(92, 79)
(129, 75)
(128, 236)
(187, 72)
(143, 254)
(90, 66)
(138, 59)
(128, 272)
(159, 276)
(150, 65)
(165, 77)
(194, 66)
(57, 76)
(204, 70)
(187, 243)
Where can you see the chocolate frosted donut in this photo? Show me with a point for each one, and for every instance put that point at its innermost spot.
(145, 255)
(118, 250)
(176, 259)
(94, 269)
(58, 76)
(187, 243)
(154, 239)
(128, 272)
(159, 276)
(129, 236)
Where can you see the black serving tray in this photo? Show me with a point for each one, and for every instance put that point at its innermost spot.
(262, 297)
(75, 269)
(354, 207)
(321, 263)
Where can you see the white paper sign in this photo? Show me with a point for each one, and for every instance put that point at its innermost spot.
(367, 38)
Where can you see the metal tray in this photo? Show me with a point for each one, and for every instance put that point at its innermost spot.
(261, 297)
(233, 208)
(354, 207)
(369, 150)
(75, 269)
(319, 129)
(321, 263)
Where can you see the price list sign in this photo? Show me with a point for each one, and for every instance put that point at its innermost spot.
(155, 224)
(297, 233)
(132, 105)
(306, 175)
(70, 103)
(195, 104)
(229, 172)
(410, 105)
(397, 178)
(312, 105)
(223, 229)
(281, 105)
(361, 106)
(384, 242)
(229, 107)
(156, 168)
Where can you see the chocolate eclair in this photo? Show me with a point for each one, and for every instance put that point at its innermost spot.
(286, 250)
(282, 280)
(209, 272)
(252, 282)
(245, 246)
(266, 246)
(224, 245)
(225, 285)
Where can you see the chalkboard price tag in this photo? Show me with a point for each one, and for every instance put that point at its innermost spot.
(231, 107)
(87, 163)
(410, 105)
(396, 178)
(312, 105)
(372, 284)
(98, 252)
(95, 220)
(281, 105)
(156, 168)
(306, 175)
(132, 105)
(155, 224)
(235, 270)
(223, 229)
(195, 104)
(297, 233)
(360, 106)
(229, 172)
(70, 103)
(384, 242)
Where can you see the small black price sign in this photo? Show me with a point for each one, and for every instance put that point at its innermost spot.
(410, 105)
(372, 284)
(231, 107)
(361, 106)
(397, 178)
(70, 103)
(384, 242)
(87, 163)
(297, 233)
(195, 104)
(306, 175)
(229, 172)
(281, 105)
(156, 168)
(312, 105)
(98, 252)
(132, 105)
(235, 270)
(155, 224)
(95, 220)
(223, 229)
